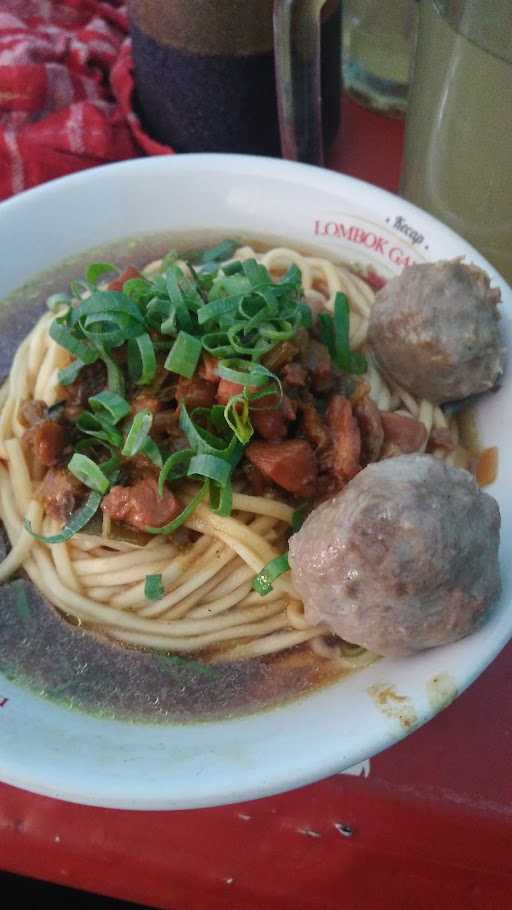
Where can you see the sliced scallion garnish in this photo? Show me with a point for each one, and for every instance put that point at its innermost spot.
(210, 466)
(182, 517)
(69, 374)
(111, 405)
(273, 569)
(141, 359)
(89, 473)
(175, 467)
(184, 355)
(153, 587)
(98, 269)
(137, 434)
(78, 520)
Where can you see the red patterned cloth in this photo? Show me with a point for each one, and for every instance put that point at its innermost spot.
(65, 90)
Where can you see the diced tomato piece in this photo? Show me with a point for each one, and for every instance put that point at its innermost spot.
(295, 375)
(208, 368)
(290, 464)
(270, 424)
(226, 389)
(145, 402)
(270, 416)
(405, 432)
(346, 438)
(117, 283)
(370, 425)
(314, 428)
(372, 278)
(195, 392)
(443, 438)
(60, 492)
(47, 440)
(318, 361)
(140, 505)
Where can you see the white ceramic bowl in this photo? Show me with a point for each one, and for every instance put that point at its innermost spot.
(52, 750)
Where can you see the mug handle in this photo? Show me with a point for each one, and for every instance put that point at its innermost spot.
(297, 53)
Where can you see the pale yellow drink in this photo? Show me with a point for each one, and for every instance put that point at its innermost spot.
(458, 147)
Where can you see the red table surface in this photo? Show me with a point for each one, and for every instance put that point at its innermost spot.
(430, 826)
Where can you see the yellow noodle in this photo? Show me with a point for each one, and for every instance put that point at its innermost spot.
(200, 642)
(118, 561)
(222, 603)
(271, 644)
(24, 542)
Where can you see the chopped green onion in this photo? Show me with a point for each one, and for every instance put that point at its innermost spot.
(251, 345)
(55, 301)
(137, 434)
(110, 467)
(326, 326)
(97, 269)
(109, 329)
(221, 498)
(176, 297)
(305, 315)
(203, 442)
(80, 349)
(358, 363)
(277, 331)
(276, 567)
(210, 466)
(335, 336)
(219, 253)
(69, 374)
(341, 331)
(101, 303)
(299, 516)
(86, 470)
(153, 587)
(78, 288)
(217, 344)
(215, 309)
(151, 451)
(236, 415)
(182, 517)
(255, 273)
(175, 467)
(115, 378)
(78, 520)
(110, 405)
(99, 427)
(244, 372)
(139, 290)
(232, 268)
(141, 359)
(293, 276)
(184, 355)
(169, 259)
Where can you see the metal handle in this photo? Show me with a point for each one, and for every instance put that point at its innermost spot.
(297, 50)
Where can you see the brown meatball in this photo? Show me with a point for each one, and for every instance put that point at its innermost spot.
(404, 558)
(434, 330)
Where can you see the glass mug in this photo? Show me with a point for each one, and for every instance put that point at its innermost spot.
(378, 42)
(253, 76)
(458, 144)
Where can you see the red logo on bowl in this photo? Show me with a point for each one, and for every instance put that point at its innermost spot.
(367, 238)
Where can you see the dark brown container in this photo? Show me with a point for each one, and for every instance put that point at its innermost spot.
(205, 73)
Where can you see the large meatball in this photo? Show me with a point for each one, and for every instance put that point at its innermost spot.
(404, 558)
(434, 330)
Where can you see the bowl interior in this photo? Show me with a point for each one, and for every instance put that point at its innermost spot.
(112, 763)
